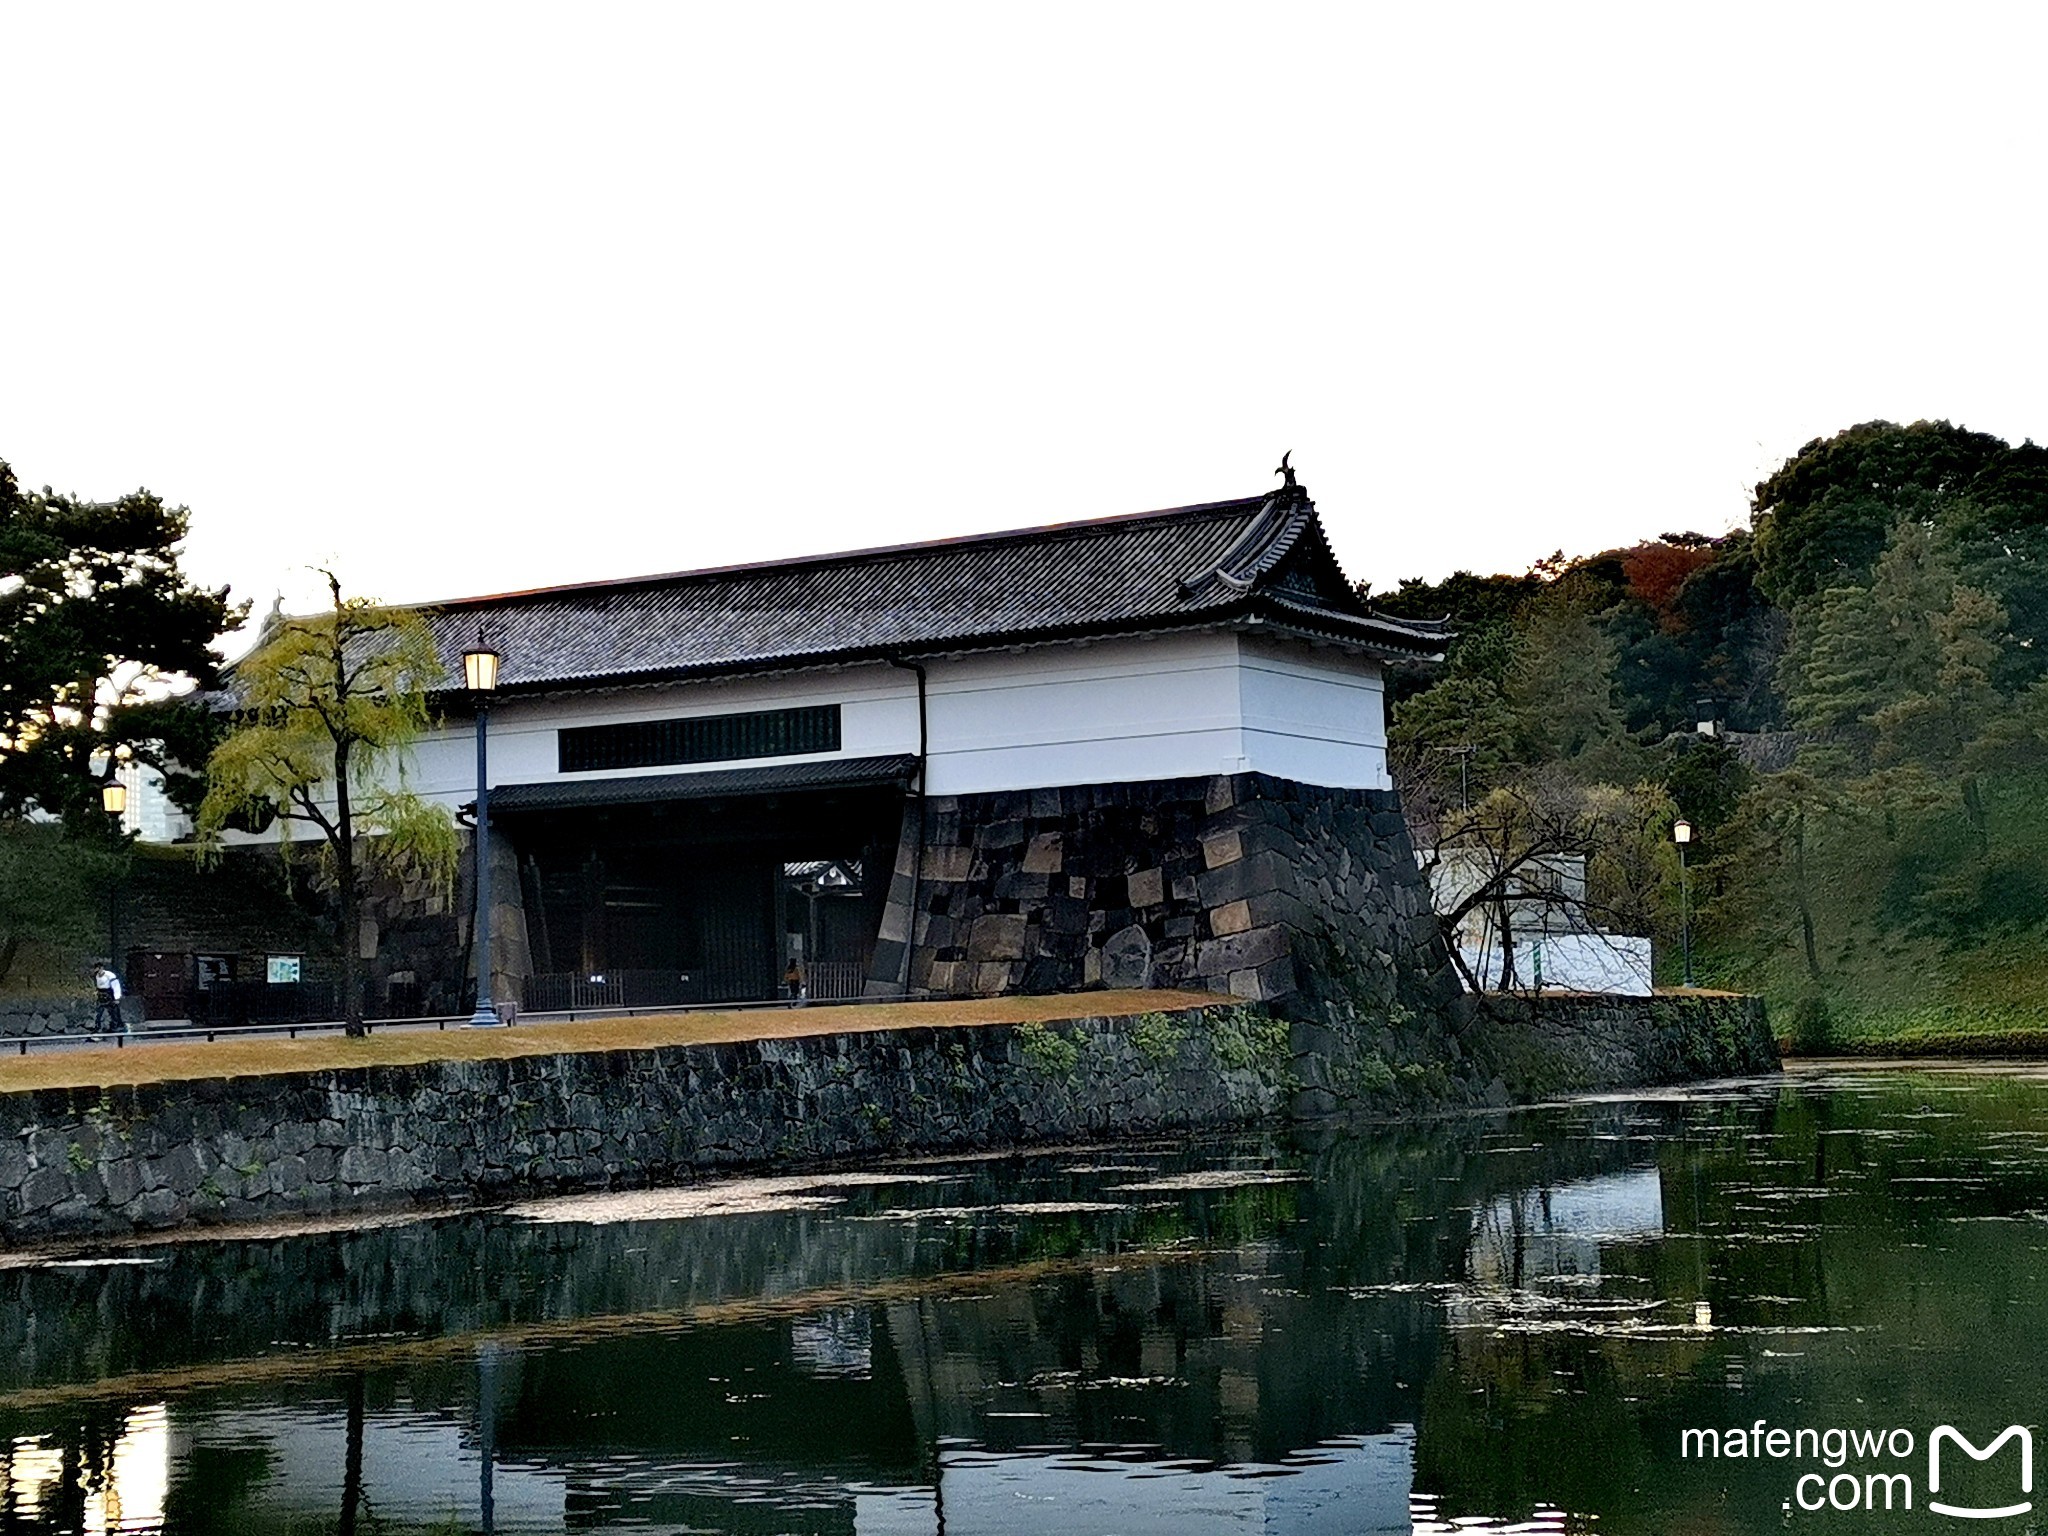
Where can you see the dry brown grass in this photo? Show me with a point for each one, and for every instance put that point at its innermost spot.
(186, 1061)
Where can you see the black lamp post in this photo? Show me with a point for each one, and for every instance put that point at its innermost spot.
(1681, 834)
(114, 801)
(480, 672)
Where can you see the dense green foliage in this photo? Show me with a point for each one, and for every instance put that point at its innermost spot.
(1872, 848)
(102, 640)
(100, 634)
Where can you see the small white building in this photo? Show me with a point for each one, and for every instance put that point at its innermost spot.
(1552, 945)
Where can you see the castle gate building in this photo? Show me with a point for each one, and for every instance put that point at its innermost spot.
(1144, 750)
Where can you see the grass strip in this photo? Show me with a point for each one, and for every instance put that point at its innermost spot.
(187, 1061)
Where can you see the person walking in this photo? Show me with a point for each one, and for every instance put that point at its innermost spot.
(793, 983)
(107, 983)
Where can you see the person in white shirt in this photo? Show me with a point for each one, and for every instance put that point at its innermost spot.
(109, 987)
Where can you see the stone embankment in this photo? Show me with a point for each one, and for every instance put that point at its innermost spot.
(83, 1162)
(33, 1018)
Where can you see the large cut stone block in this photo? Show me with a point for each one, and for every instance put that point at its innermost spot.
(1042, 857)
(1127, 958)
(948, 863)
(1231, 917)
(1247, 877)
(1219, 957)
(997, 936)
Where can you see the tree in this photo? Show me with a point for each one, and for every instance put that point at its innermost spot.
(1822, 519)
(1561, 685)
(328, 707)
(1765, 853)
(1898, 674)
(1504, 854)
(99, 633)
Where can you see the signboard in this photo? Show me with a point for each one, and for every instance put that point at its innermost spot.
(283, 969)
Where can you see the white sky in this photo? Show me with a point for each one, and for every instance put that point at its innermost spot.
(475, 297)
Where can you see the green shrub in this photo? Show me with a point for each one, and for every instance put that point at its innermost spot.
(1050, 1053)
(1157, 1037)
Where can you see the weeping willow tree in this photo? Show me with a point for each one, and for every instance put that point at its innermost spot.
(328, 707)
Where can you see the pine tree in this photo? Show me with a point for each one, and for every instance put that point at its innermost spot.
(1560, 685)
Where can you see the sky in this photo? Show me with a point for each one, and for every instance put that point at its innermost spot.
(467, 298)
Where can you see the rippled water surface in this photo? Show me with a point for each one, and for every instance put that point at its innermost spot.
(1493, 1323)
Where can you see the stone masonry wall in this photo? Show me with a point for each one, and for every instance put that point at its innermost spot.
(1244, 884)
(33, 1017)
(1588, 1042)
(82, 1163)
(77, 1163)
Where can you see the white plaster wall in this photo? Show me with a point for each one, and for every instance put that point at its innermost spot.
(1313, 714)
(1119, 711)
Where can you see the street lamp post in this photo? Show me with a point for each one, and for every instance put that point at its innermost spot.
(480, 672)
(1681, 834)
(114, 801)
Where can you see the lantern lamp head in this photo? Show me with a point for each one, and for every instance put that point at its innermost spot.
(1681, 832)
(114, 797)
(480, 666)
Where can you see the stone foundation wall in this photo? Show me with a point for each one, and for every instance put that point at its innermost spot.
(1244, 884)
(80, 1163)
(38, 1017)
(1588, 1042)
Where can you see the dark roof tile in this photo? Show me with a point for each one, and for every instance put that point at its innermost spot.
(645, 789)
(1218, 563)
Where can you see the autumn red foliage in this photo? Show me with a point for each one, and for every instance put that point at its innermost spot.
(1656, 571)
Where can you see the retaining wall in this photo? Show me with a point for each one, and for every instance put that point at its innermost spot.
(35, 1017)
(1592, 1042)
(93, 1162)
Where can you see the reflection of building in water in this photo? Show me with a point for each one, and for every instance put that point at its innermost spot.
(94, 1486)
(1356, 1486)
(417, 1467)
(1530, 1234)
(836, 1342)
(1425, 1510)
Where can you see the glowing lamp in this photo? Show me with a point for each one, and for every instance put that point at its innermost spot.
(480, 666)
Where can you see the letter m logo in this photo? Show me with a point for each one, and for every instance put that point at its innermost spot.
(1949, 1433)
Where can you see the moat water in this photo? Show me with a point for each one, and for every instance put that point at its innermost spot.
(1503, 1322)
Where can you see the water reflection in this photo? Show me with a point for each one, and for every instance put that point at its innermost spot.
(1499, 1323)
(93, 1483)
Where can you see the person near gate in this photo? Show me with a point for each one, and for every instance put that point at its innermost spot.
(107, 983)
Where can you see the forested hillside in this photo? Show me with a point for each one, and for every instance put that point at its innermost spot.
(1872, 849)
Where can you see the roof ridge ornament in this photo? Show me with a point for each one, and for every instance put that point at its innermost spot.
(1286, 472)
(1270, 535)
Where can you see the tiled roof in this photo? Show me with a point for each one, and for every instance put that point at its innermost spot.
(645, 789)
(1259, 561)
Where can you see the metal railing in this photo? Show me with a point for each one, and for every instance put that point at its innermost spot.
(209, 1033)
(835, 981)
(564, 991)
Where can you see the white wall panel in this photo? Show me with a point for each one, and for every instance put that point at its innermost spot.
(1313, 714)
(1119, 711)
